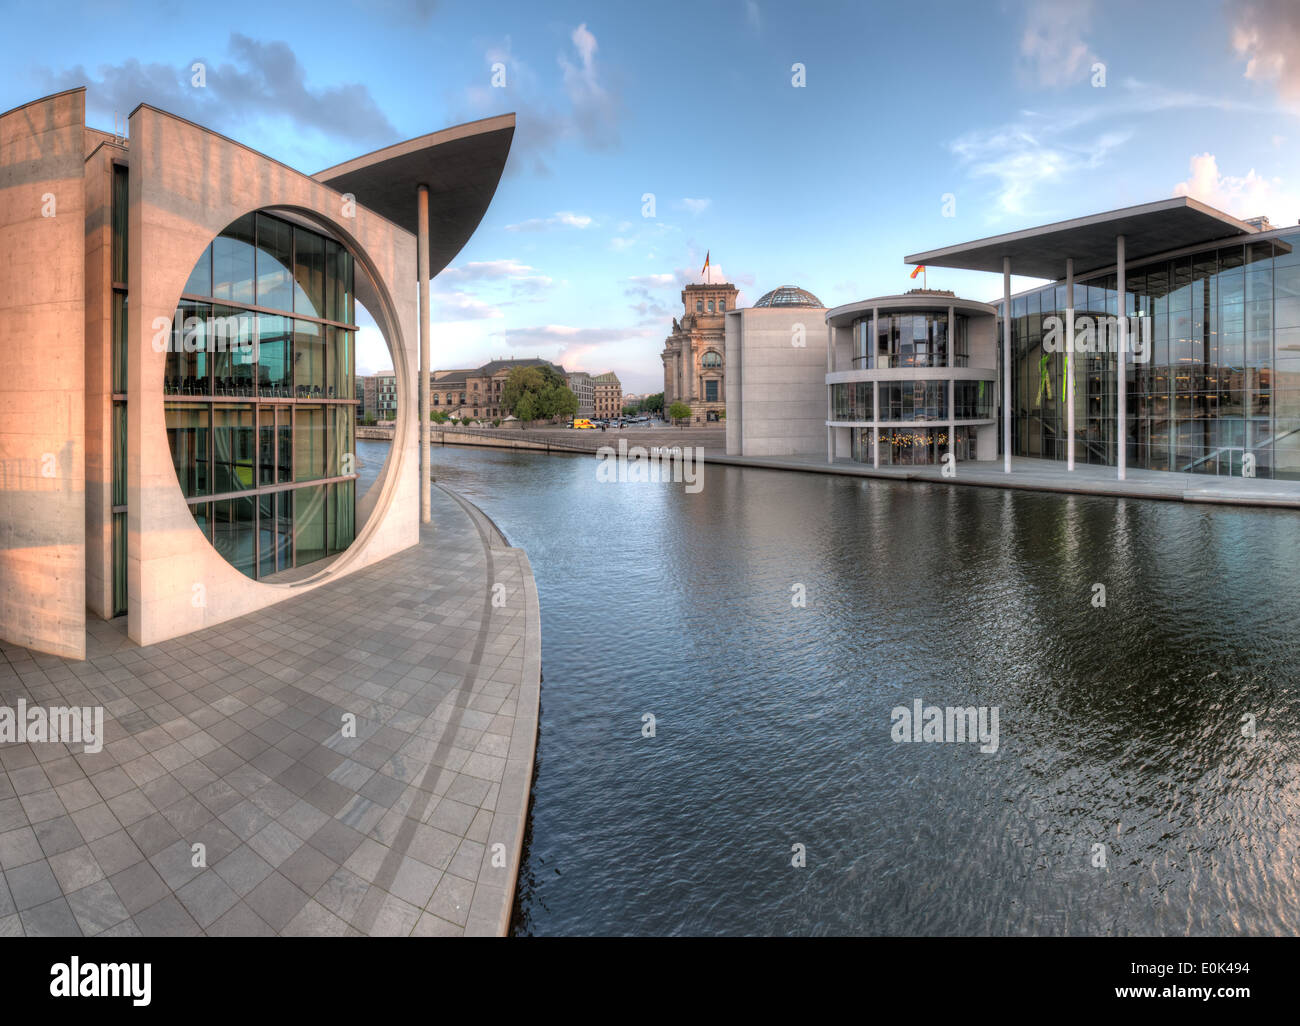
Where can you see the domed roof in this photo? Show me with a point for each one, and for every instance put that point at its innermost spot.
(789, 295)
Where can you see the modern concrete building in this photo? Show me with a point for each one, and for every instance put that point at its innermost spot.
(694, 372)
(580, 385)
(910, 378)
(1201, 374)
(776, 375)
(177, 317)
(607, 395)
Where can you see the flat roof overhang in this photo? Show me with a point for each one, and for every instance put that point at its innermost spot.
(1148, 230)
(462, 167)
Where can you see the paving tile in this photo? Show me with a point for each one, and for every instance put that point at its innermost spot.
(32, 885)
(167, 918)
(97, 908)
(277, 901)
(207, 898)
(76, 869)
(243, 869)
(240, 921)
(52, 919)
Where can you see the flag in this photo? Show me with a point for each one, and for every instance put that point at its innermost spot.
(917, 269)
(704, 271)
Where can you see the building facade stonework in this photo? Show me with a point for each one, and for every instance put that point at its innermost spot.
(607, 395)
(693, 355)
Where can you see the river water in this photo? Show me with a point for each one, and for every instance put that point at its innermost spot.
(1125, 795)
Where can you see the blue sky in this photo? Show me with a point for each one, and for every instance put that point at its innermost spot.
(826, 186)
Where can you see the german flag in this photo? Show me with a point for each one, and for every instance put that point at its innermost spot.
(704, 271)
(917, 270)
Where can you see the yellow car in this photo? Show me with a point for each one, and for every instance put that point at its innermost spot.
(583, 424)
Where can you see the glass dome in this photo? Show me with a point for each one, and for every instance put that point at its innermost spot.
(789, 295)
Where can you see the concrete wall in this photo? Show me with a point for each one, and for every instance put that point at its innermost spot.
(187, 184)
(781, 387)
(42, 376)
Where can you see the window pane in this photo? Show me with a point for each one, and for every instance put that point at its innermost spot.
(200, 281)
(309, 443)
(233, 262)
(309, 515)
(119, 342)
(341, 515)
(233, 448)
(232, 532)
(308, 360)
(274, 346)
(274, 260)
(119, 454)
(309, 273)
(189, 365)
(187, 435)
(121, 205)
(119, 564)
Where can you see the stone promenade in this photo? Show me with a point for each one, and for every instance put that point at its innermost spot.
(232, 738)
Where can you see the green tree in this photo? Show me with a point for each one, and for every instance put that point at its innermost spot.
(539, 392)
(679, 411)
(653, 403)
(525, 407)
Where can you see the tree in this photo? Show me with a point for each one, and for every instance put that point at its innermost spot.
(653, 403)
(525, 408)
(539, 392)
(679, 411)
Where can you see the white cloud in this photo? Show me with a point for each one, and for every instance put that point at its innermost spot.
(1266, 33)
(1241, 196)
(694, 206)
(562, 218)
(1052, 49)
(654, 281)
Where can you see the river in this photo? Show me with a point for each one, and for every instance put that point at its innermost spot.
(1125, 796)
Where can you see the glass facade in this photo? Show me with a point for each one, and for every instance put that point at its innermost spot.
(1220, 389)
(261, 395)
(909, 340)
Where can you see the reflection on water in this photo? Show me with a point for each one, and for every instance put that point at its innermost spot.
(1119, 726)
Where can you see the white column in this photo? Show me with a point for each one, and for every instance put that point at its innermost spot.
(952, 411)
(1006, 364)
(1121, 383)
(1069, 363)
(422, 404)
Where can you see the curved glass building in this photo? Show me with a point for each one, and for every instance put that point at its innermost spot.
(911, 378)
(259, 385)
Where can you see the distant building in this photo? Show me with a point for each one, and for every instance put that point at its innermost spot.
(359, 394)
(608, 395)
(631, 399)
(380, 395)
(476, 392)
(580, 385)
(694, 370)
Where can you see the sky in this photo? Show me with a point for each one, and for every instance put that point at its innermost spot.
(812, 144)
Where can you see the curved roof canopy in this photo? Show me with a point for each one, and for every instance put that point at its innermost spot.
(789, 295)
(461, 166)
(1148, 230)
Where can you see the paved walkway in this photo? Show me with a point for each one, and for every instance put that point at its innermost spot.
(1051, 476)
(231, 738)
